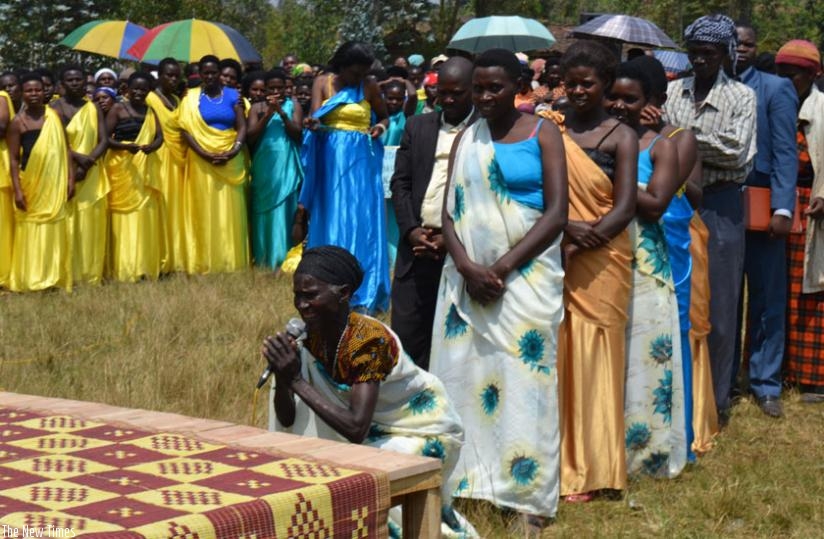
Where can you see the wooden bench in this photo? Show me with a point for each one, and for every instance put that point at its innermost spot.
(415, 482)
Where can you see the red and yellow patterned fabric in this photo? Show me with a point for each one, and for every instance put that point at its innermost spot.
(367, 352)
(71, 477)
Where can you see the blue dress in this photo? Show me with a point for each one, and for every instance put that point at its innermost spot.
(343, 191)
(677, 231)
(276, 177)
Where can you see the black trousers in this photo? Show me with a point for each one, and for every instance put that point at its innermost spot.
(414, 298)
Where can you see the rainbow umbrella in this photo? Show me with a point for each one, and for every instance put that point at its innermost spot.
(109, 38)
(191, 39)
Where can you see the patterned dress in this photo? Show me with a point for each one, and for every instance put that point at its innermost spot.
(498, 361)
(654, 395)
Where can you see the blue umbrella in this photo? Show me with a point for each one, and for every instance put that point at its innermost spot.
(626, 29)
(673, 61)
(497, 32)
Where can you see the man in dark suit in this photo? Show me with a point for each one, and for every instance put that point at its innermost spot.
(417, 194)
(765, 263)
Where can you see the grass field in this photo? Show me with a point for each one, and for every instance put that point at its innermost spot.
(191, 346)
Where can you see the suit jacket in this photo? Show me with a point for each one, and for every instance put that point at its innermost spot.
(413, 170)
(776, 163)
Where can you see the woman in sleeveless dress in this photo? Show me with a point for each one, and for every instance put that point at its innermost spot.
(654, 416)
(500, 300)
(136, 240)
(342, 159)
(602, 161)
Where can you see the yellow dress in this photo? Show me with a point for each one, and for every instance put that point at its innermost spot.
(136, 238)
(41, 255)
(172, 155)
(90, 220)
(592, 341)
(214, 203)
(6, 204)
(704, 415)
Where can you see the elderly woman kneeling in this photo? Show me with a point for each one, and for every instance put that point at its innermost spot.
(354, 381)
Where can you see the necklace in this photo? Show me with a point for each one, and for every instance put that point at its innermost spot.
(217, 101)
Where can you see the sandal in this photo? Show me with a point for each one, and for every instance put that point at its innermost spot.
(582, 497)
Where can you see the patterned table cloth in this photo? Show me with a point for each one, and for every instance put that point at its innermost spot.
(62, 476)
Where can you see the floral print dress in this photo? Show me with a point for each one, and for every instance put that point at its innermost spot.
(654, 396)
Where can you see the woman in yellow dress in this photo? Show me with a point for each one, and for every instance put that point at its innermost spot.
(213, 125)
(134, 173)
(43, 182)
(172, 155)
(6, 192)
(86, 133)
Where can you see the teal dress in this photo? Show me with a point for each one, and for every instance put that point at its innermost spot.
(276, 179)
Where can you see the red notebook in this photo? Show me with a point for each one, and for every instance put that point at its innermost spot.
(757, 210)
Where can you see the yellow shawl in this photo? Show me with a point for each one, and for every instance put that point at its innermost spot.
(212, 140)
(173, 142)
(83, 133)
(131, 175)
(5, 177)
(45, 181)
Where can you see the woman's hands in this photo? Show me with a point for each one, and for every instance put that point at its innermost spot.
(483, 284)
(583, 234)
(281, 353)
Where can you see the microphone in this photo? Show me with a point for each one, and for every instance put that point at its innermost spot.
(295, 328)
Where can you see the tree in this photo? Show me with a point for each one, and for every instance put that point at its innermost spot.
(361, 22)
(31, 29)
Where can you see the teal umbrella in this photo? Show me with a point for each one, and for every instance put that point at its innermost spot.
(512, 33)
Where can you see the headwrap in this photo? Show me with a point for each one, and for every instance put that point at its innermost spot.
(331, 264)
(438, 59)
(431, 79)
(104, 70)
(801, 53)
(301, 69)
(716, 29)
(415, 60)
(105, 90)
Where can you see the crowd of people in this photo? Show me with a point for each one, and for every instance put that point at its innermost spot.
(571, 240)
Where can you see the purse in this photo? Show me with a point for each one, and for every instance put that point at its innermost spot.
(758, 212)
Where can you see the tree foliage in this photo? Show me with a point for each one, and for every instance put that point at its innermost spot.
(30, 29)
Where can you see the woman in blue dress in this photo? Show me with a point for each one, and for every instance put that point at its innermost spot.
(342, 157)
(274, 129)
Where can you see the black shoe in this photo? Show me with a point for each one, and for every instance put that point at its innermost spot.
(724, 417)
(771, 406)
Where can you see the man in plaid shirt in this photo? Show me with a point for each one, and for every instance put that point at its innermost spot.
(722, 114)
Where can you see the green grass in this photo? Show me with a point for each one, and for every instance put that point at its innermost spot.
(191, 345)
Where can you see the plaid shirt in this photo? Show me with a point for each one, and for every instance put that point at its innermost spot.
(724, 125)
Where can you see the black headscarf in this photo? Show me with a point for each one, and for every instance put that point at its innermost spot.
(331, 264)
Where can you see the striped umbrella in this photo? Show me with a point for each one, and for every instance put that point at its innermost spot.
(626, 29)
(191, 39)
(497, 32)
(109, 38)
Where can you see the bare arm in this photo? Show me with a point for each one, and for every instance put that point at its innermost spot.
(625, 186)
(257, 119)
(664, 183)
(375, 98)
(4, 116)
(102, 137)
(411, 103)
(158, 138)
(294, 125)
(13, 143)
(352, 422)
(556, 204)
